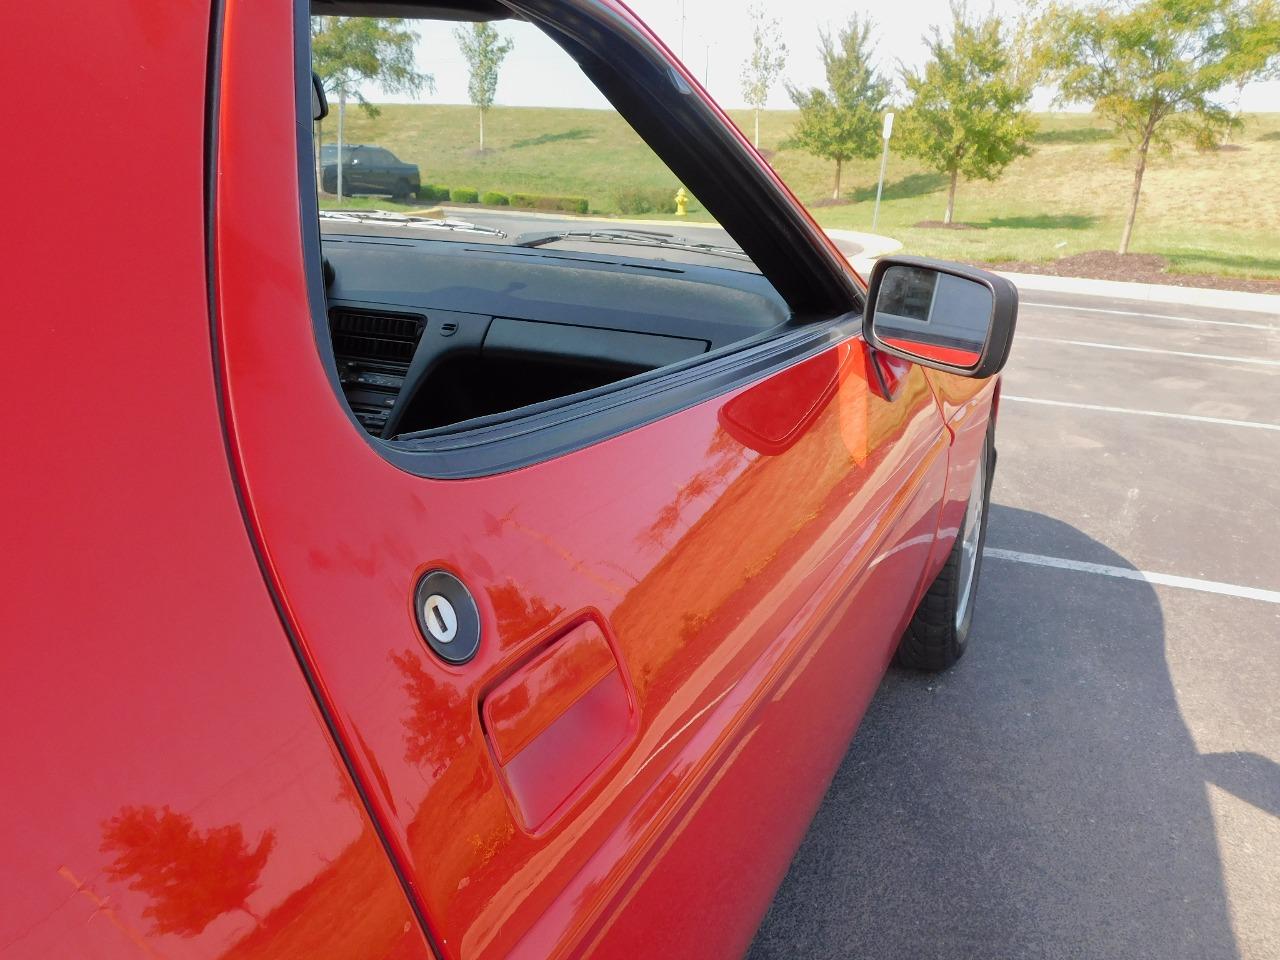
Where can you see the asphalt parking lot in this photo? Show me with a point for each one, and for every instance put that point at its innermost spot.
(1099, 777)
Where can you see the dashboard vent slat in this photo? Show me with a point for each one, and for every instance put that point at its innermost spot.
(373, 335)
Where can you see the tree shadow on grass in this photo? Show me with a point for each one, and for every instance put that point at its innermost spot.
(1042, 799)
(1269, 135)
(1043, 221)
(577, 133)
(1202, 261)
(1080, 135)
(912, 185)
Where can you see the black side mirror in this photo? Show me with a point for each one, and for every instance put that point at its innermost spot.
(940, 314)
(319, 102)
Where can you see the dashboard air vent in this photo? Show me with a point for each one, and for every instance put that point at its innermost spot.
(371, 335)
(373, 350)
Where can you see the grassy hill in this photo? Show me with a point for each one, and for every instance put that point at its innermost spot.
(1213, 212)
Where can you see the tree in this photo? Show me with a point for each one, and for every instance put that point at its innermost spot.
(191, 878)
(348, 52)
(1157, 70)
(484, 49)
(765, 65)
(968, 109)
(843, 121)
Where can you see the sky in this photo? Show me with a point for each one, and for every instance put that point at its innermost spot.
(715, 36)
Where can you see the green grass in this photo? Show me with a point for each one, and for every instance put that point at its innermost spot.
(1206, 212)
(557, 152)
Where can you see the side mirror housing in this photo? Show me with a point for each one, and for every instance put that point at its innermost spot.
(940, 314)
(319, 102)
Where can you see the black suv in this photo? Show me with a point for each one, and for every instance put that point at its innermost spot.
(367, 169)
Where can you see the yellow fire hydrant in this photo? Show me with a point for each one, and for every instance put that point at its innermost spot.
(682, 203)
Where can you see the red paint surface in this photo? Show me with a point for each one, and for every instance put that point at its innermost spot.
(752, 559)
(170, 790)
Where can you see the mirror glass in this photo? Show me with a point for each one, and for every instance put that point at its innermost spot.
(934, 316)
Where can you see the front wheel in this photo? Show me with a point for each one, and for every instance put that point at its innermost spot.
(939, 630)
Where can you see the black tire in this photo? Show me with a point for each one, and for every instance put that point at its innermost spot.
(403, 192)
(939, 630)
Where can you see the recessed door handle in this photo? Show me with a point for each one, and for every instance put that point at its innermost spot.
(557, 721)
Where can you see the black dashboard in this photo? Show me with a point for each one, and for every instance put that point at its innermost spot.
(430, 333)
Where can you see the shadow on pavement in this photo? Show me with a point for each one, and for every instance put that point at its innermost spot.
(1249, 776)
(1041, 799)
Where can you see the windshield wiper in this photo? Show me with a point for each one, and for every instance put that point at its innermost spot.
(403, 219)
(640, 238)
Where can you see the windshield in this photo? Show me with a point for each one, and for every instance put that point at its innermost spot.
(549, 165)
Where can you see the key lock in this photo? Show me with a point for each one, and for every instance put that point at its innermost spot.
(447, 617)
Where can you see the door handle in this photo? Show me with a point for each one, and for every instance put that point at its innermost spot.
(556, 722)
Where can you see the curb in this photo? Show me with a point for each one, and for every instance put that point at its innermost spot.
(1149, 292)
(873, 247)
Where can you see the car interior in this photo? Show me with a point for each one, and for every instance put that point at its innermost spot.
(431, 333)
(448, 316)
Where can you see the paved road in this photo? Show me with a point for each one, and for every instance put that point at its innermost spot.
(1100, 776)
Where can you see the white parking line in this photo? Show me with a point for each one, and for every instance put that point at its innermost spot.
(1155, 316)
(1124, 573)
(1170, 353)
(1257, 425)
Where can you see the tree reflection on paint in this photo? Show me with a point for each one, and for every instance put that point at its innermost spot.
(191, 877)
(438, 723)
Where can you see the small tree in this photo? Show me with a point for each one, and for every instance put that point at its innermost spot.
(191, 877)
(968, 109)
(765, 65)
(843, 121)
(347, 52)
(1158, 70)
(484, 49)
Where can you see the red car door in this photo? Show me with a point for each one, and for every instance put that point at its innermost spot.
(679, 626)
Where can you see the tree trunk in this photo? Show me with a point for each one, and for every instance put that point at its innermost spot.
(835, 193)
(482, 129)
(1137, 191)
(757, 128)
(342, 117)
(319, 148)
(951, 198)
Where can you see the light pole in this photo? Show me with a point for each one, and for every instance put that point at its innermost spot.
(682, 19)
(342, 116)
(884, 161)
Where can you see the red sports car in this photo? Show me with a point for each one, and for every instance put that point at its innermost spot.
(461, 582)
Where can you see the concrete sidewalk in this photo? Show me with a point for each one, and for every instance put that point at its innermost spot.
(874, 247)
(1150, 292)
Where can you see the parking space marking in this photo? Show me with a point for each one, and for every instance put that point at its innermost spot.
(1171, 353)
(1146, 576)
(1222, 421)
(1156, 316)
